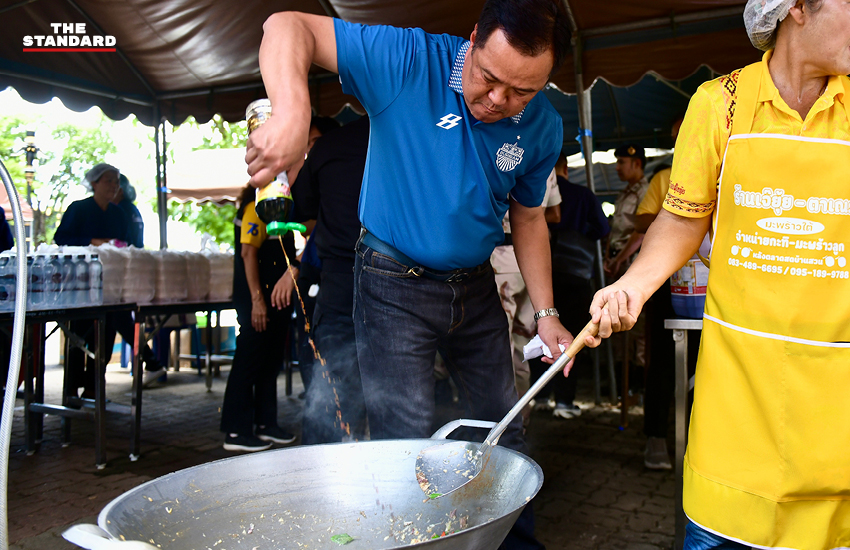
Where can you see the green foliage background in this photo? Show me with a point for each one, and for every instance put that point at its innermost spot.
(217, 220)
(83, 147)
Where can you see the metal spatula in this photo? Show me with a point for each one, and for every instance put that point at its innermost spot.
(446, 467)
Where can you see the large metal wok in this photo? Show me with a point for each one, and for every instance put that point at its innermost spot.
(298, 498)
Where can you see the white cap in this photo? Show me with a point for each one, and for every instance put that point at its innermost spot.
(761, 17)
(96, 172)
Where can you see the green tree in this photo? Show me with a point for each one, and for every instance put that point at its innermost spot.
(83, 148)
(12, 132)
(220, 134)
(215, 219)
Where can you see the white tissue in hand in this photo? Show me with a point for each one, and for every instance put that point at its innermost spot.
(536, 348)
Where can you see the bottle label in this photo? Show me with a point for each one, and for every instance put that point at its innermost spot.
(276, 189)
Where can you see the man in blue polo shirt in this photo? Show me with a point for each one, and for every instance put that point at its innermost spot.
(459, 135)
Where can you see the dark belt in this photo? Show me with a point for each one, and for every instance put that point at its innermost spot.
(453, 276)
(508, 240)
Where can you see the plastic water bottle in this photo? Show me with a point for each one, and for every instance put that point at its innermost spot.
(68, 288)
(96, 281)
(7, 294)
(30, 306)
(36, 275)
(83, 285)
(52, 281)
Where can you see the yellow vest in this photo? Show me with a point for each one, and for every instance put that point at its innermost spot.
(768, 460)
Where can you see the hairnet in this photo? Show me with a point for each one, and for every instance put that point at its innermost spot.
(129, 190)
(761, 17)
(96, 172)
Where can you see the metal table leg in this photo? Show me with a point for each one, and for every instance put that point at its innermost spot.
(39, 388)
(680, 337)
(100, 393)
(30, 368)
(209, 331)
(136, 402)
(66, 392)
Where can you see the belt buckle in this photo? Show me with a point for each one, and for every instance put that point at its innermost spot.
(456, 277)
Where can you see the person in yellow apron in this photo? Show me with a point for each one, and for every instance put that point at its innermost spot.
(764, 158)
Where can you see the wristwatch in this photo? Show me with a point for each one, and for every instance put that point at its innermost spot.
(546, 313)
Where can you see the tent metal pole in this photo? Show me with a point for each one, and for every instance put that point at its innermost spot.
(586, 123)
(162, 213)
(163, 193)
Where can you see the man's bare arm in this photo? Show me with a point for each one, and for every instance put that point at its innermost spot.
(531, 246)
(292, 42)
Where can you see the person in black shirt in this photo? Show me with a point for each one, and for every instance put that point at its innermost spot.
(328, 190)
(260, 272)
(96, 221)
(124, 200)
(7, 241)
(573, 243)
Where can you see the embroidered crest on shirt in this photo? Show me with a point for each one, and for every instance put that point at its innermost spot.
(508, 157)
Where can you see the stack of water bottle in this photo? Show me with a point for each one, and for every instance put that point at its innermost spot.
(63, 278)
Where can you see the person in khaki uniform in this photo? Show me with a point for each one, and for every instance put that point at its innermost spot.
(763, 157)
(620, 248)
(514, 294)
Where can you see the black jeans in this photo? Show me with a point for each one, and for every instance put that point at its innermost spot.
(309, 276)
(334, 410)
(251, 394)
(400, 321)
(572, 296)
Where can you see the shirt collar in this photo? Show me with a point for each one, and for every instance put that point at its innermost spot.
(836, 86)
(456, 78)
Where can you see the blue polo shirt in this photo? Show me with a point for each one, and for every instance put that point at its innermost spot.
(437, 182)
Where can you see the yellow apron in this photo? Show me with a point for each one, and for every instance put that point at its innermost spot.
(768, 460)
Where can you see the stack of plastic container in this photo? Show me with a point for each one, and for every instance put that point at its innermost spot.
(197, 276)
(73, 277)
(139, 277)
(171, 277)
(114, 263)
(221, 272)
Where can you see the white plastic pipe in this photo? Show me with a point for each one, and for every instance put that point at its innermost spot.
(15, 360)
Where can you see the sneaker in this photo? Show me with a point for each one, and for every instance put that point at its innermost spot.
(655, 457)
(547, 405)
(274, 434)
(563, 410)
(151, 376)
(248, 443)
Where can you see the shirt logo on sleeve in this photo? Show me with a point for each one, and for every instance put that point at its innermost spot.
(253, 229)
(449, 121)
(509, 157)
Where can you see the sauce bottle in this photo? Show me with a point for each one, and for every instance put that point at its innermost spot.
(274, 201)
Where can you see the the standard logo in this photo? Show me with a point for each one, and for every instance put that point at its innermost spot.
(449, 121)
(69, 37)
(509, 157)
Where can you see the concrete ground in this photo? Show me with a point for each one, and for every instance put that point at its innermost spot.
(596, 495)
